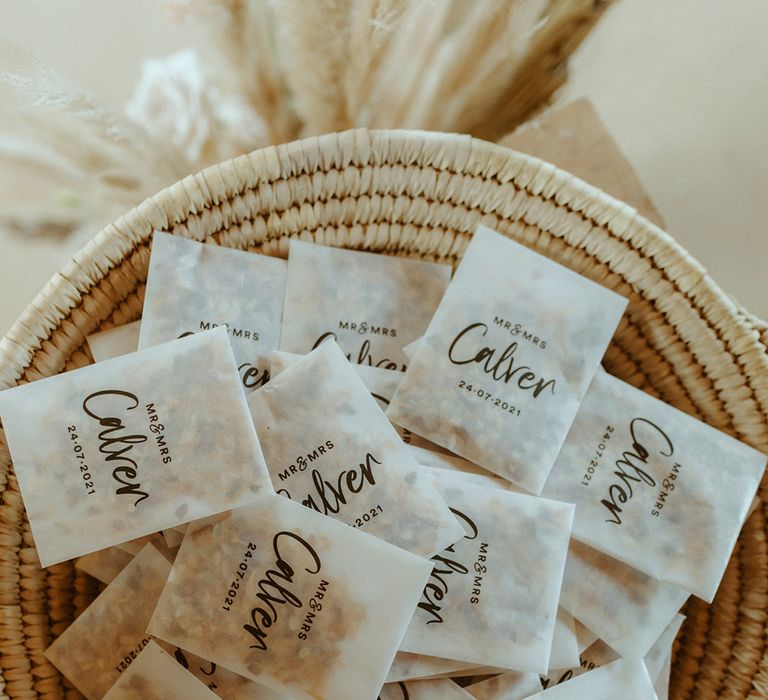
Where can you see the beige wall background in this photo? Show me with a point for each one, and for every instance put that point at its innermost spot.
(681, 84)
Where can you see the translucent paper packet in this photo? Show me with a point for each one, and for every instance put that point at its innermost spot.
(621, 605)
(654, 487)
(625, 678)
(599, 654)
(382, 383)
(107, 638)
(414, 667)
(507, 686)
(565, 645)
(155, 675)
(193, 287)
(329, 446)
(439, 689)
(224, 683)
(506, 359)
(291, 599)
(491, 598)
(371, 304)
(126, 448)
(156, 539)
(105, 564)
(114, 342)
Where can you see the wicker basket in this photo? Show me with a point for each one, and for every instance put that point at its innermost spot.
(417, 194)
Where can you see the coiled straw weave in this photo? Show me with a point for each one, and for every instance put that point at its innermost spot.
(418, 194)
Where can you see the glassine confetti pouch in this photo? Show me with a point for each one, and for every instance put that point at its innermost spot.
(507, 686)
(654, 487)
(492, 597)
(291, 599)
(506, 359)
(132, 445)
(626, 679)
(382, 383)
(114, 342)
(155, 675)
(329, 446)
(625, 607)
(438, 689)
(371, 304)
(195, 286)
(105, 640)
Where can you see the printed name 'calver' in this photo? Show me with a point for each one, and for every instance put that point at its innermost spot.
(114, 442)
(630, 465)
(274, 587)
(502, 367)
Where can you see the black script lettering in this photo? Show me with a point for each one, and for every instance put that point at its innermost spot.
(437, 586)
(116, 445)
(364, 356)
(332, 497)
(501, 367)
(253, 376)
(274, 591)
(629, 466)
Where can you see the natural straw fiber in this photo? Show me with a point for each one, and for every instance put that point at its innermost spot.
(418, 194)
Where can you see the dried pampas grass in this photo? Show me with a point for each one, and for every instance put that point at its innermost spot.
(275, 70)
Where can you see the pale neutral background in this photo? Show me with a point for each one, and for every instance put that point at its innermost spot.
(681, 84)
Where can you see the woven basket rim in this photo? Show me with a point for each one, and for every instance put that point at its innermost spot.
(116, 240)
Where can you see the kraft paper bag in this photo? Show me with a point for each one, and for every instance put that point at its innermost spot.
(155, 675)
(507, 359)
(371, 304)
(114, 342)
(329, 446)
(507, 686)
(132, 445)
(625, 678)
(106, 639)
(438, 689)
(291, 599)
(195, 286)
(654, 487)
(492, 597)
(624, 607)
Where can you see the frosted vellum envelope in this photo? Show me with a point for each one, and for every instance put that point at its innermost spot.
(625, 678)
(329, 446)
(654, 487)
(155, 675)
(126, 447)
(371, 304)
(291, 599)
(626, 608)
(195, 286)
(439, 689)
(114, 342)
(382, 383)
(105, 640)
(506, 359)
(491, 598)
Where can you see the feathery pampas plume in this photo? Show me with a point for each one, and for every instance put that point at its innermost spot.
(275, 70)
